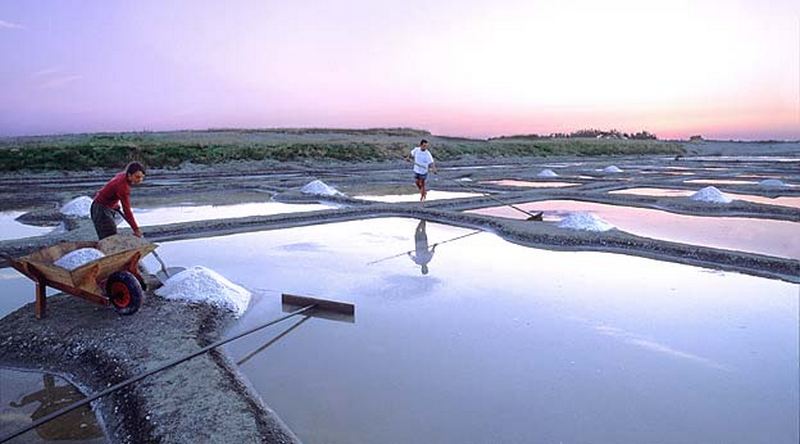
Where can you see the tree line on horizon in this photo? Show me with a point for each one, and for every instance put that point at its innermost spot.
(586, 133)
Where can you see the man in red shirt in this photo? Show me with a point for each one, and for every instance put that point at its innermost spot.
(107, 201)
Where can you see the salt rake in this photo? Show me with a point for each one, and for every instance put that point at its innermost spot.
(311, 307)
(327, 309)
(538, 216)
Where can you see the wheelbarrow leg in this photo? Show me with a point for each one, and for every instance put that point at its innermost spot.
(40, 306)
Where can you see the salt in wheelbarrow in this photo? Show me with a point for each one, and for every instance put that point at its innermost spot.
(113, 279)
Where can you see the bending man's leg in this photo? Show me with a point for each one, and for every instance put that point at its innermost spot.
(103, 219)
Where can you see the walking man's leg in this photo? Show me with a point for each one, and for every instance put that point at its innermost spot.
(420, 181)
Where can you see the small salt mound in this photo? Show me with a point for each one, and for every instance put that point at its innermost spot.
(203, 285)
(320, 187)
(612, 169)
(772, 183)
(547, 173)
(81, 256)
(79, 207)
(584, 221)
(710, 194)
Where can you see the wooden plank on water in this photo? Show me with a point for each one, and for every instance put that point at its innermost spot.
(324, 308)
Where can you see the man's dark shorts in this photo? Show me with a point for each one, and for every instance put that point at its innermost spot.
(420, 176)
(103, 219)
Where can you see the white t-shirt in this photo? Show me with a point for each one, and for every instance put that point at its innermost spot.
(422, 160)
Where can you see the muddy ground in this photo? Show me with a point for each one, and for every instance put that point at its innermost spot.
(207, 398)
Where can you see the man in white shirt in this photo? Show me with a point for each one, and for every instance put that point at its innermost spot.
(423, 161)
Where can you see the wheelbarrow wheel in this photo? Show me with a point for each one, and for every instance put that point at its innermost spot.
(124, 292)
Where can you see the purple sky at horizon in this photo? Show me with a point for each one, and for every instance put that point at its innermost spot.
(723, 69)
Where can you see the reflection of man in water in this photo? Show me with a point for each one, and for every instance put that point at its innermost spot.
(79, 424)
(423, 254)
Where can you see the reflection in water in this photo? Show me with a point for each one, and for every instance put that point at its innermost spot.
(190, 213)
(783, 201)
(647, 343)
(273, 340)
(79, 424)
(422, 253)
(401, 287)
(771, 237)
(486, 348)
(11, 229)
(721, 181)
(432, 195)
(526, 183)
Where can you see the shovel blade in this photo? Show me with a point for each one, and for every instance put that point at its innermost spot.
(537, 216)
(165, 273)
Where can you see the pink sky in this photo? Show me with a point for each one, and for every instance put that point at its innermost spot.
(723, 69)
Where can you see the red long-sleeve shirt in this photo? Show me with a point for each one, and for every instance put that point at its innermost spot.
(117, 191)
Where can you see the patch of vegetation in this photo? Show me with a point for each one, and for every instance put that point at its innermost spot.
(170, 149)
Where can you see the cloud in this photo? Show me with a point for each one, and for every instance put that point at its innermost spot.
(58, 82)
(47, 71)
(9, 25)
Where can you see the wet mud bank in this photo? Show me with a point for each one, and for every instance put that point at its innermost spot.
(202, 400)
(546, 235)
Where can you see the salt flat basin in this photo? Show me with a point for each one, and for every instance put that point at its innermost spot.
(783, 201)
(26, 396)
(771, 237)
(414, 197)
(743, 159)
(722, 181)
(190, 213)
(503, 343)
(17, 290)
(11, 229)
(531, 184)
(673, 173)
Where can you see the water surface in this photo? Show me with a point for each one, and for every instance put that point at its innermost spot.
(191, 213)
(503, 343)
(11, 229)
(784, 201)
(770, 237)
(414, 197)
(531, 184)
(28, 396)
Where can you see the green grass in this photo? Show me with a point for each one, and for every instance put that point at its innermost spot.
(170, 149)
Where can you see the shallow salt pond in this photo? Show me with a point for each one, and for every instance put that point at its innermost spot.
(414, 197)
(771, 237)
(11, 229)
(16, 291)
(722, 181)
(783, 201)
(503, 343)
(743, 159)
(190, 212)
(525, 183)
(28, 396)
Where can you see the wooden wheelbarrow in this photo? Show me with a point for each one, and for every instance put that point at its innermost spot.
(113, 279)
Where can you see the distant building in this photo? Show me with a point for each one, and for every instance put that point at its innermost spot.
(696, 139)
